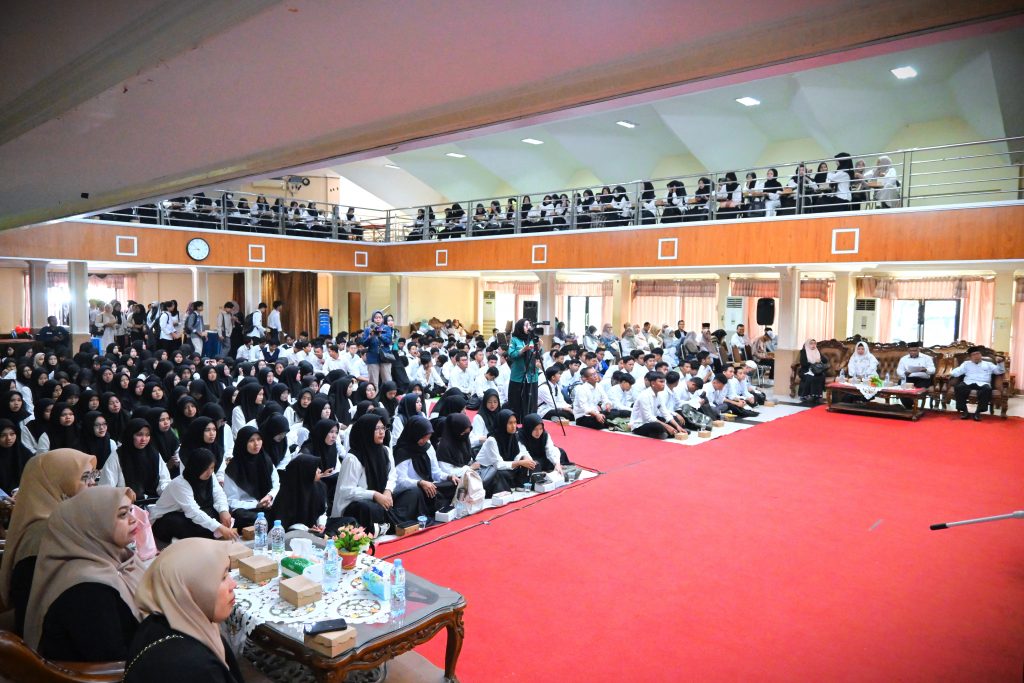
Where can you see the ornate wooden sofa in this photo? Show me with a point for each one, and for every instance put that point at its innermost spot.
(20, 664)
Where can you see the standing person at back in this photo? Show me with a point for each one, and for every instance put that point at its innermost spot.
(274, 327)
(254, 324)
(170, 326)
(377, 337)
(226, 324)
(195, 326)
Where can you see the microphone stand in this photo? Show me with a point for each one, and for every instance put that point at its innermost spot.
(1019, 514)
(530, 365)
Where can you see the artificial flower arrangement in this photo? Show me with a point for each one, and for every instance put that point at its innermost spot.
(876, 381)
(352, 539)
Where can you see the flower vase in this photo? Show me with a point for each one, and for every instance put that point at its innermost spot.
(348, 559)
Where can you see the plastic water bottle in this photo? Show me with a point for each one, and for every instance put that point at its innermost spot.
(887, 382)
(460, 508)
(398, 589)
(259, 544)
(277, 538)
(332, 568)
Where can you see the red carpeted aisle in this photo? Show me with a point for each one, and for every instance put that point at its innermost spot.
(796, 550)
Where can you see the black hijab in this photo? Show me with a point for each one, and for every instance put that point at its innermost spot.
(82, 407)
(90, 443)
(13, 459)
(297, 408)
(300, 500)
(252, 473)
(508, 444)
(202, 491)
(408, 447)
(116, 422)
(272, 428)
(372, 456)
(453, 447)
(140, 467)
(166, 443)
(147, 396)
(6, 413)
(276, 393)
(341, 405)
(490, 417)
(192, 439)
(316, 444)
(407, 406)
(62, 437)
(360, 393)
(314, 411)
(537, 448)
(452, 402)
(199, 390)
(217, 414)
(290, 378)
(246, 400)
(37, 427)
(390, 404)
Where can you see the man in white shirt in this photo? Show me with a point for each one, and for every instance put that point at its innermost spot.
(551, 404)
(621, 393)
(248, 351)
(334, 361)
(738, 343)
(428, 377)
(274, 327)
(977, 376)
(488, 379)
(357, 367)
(571, 374)
(460, 376)
(589, 406)
(916, 369)
(650, 416)
(257, 330)
(226, 325)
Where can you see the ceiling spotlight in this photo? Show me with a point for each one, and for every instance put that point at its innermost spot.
(904, 72)
(748, 101)
(626, 124)
(455, 155)
(532, 141)
(390, 166)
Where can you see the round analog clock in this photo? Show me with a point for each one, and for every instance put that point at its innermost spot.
(198, 249)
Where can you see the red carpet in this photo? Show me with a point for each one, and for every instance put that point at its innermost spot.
(797, 550)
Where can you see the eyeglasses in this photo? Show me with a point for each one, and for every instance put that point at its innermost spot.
(380, 428)
(90, 476)
(97, 425)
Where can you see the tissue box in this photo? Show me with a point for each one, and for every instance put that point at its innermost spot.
(294, 566)
(547, 486)
(377, 582)
(299, 591)
(249, 533)
(332, 644)
(448, 516)
(236, 551)
(501, 499)
(257, 568)
(407, 528)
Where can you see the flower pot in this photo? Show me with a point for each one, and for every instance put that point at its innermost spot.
(348, 559)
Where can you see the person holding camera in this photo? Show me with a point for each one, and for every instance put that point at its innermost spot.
(524, 349)
(377, 338)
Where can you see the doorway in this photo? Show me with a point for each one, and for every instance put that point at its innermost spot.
(929, 321)
(584, 311)
(355, 311)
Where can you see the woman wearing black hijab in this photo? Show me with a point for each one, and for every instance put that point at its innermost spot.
(61, 431)
(153, 396)
(275, 440)
(96, 438)
(366, 391)
(114, 412)
(89, 400)
(185, 410)
(137, 464)
(40, 422)
(164, 438)
(13, 456)
(210, 376)
(340, 397)
(202, 433)
(323, 443)
(223, 442)
(410, 406)
(319, 409)
(290, 378)
(538, 443)
(13, 408)
(227, 399)
(366, 481)
(501, 451)
(250, 479)
(296, 412)
(452, 401)
(194, 505)
(302, 498)
(279, 394)
(388, 397)
(247, 404)
(265, 377)
(199, 392)
(486, 418)
(421, 487)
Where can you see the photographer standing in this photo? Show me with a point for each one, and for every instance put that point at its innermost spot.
(378, 340)
(523, 351)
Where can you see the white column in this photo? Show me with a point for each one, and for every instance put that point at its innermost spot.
(1002, 315)
(38, 287)
(400, 300)
(845, 294)
(546, 304)
(339, 303)
(622, 301)
(201, 289)
(723, 294)
(789, 308)
(253, 289)
(78, 284)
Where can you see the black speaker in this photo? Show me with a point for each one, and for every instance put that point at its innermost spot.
(766, 311)
(530, 311)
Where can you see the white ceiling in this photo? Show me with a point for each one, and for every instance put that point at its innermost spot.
(856, 106)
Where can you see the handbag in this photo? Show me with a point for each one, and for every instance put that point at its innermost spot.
(471, 491)
(387, 357)
(818, 368)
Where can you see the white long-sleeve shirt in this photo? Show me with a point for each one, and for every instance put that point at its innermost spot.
(622, 400)
(478, 434)
(257, 324)
(111, 474)
(647, 408)
(406, 476)
(978, 373)
(906, 362)
(240, 498)
(548, 400)
(461, 379)
(490, 456)
(273, 320)
(352, 483)
(588, 400)
(179, 496)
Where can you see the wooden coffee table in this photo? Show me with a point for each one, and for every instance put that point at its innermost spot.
(429, 608)
(835, 391)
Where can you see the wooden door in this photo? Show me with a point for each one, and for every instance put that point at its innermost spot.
(355, 311)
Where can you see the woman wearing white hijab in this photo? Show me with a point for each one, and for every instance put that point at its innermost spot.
(862, 363)
(186, 593)
(82, 607)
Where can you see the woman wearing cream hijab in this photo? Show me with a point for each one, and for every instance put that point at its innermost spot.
(186, 593)
(82, 606)
(48, 479)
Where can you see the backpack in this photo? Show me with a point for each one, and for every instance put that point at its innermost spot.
(190, 323)
(247, 324)
(154, 327)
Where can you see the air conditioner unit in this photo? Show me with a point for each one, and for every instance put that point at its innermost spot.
(735, 312)
(865, 318)
(268, 184)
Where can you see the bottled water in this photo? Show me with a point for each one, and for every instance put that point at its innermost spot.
(277, 538)
(398, 589)
(332, 568)
(460, 508)
(259, 544)
(887, 382)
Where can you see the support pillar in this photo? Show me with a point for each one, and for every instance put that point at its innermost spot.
(622, 301)
(843, 306)
(253, 289)
(78, 284)
(478, 307)
(38, 287)
(546, 304)
(201, 290)
(1002, 315)
(723, 295)
(788, 350)
(339, 303)
(400, 300)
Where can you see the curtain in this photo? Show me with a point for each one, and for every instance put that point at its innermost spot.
(659, 310)
(875, 288)
(56, 279)
(976, 311)
(675, 288)
(1019, 282)
(563, 290)
(769, 289)
(817, 316)
(917, 288)
(884, 314)
(1017, 345)
(298, 291)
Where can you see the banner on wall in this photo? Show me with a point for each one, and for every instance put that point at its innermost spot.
(323, 320)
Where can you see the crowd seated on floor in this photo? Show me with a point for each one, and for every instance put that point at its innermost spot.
(848, 186)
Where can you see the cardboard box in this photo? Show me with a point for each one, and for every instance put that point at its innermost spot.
(237, 551)
(299, 591)
(407, 529)
(249, 533)
(501, 499)
(548, 486)
(769, 404)
(704, 434)
(729, 416)
(444, 516)
(681, 436)
(332, 644)
(257, 568)
(718, 423)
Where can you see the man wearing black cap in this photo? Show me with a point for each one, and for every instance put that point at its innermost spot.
(977, 376)
(915, 368)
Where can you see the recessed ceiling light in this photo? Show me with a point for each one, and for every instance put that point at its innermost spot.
(748, 101)
(532, 141)
(390, 166)
(626, 124)
(904, 72)
(455, 155)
